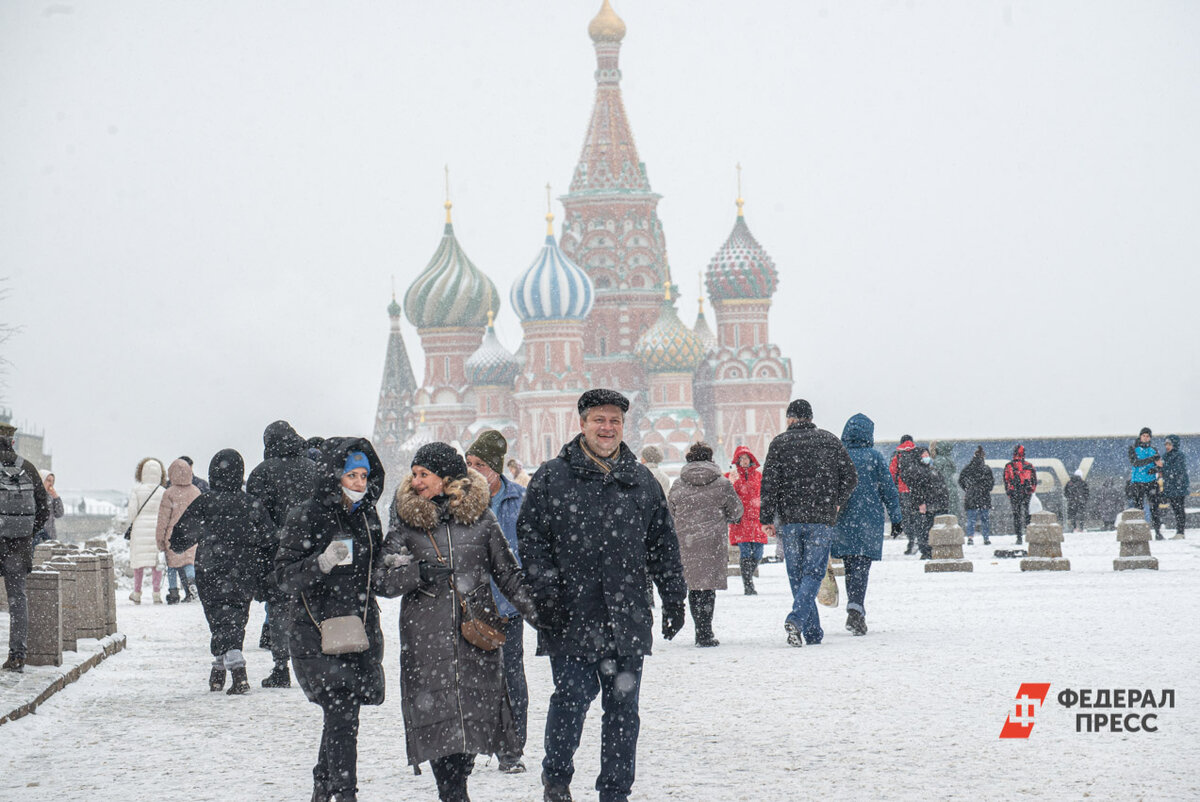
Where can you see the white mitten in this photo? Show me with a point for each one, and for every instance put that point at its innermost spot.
(334, 553)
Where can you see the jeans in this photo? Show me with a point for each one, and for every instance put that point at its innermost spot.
(984, 517)
(751, 551)
(858, 571)
(513, 655)
(337, 762)
(189, 576)
(618, 680)
(13, 571)
(806, 551)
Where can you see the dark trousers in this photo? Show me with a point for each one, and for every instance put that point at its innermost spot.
(1147, 493)
(513, 655)
(337, 762)
(858, 571)
(1177, 507)
(13, 567)
(907, 512)
(576, 682)
(1075, 516)
(918, 530)
(1020, 513)
(278, 624)
(702, 602)
(226, 623)
(450, 773)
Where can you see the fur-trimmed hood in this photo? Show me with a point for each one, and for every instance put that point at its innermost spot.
(469, 499)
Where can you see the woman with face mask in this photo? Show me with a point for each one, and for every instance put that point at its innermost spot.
(929, 499)
(329, 555)
(444, 547)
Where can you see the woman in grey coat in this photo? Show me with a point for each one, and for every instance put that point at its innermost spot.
(704, 504)
(444, 545)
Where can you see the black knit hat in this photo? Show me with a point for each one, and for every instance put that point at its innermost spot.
(601, 397)
(441, 460)
(800, 410)
(1145, 430)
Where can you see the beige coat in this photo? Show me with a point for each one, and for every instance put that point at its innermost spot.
(175, 499)
(704, 503)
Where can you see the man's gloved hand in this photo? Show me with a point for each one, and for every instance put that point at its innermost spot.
(550, 616)
(432, 573)
(672, 619)
(897, 529)
(397, 559)
(334, 553)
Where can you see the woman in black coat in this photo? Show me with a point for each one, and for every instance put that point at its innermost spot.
(236, 546)
(977, 481)
(329, 551)
(929, 498)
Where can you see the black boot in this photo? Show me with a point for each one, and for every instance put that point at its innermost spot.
(241, 683)
(911, 547)
(856, 622)
(216, 679)
(748, 567)
(1018, 538)
(187, 592)
(264, 640)
(14, 663)
(173, 596)
(280, 677)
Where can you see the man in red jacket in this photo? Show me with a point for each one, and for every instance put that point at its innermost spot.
(1020, 483)
(905, 451)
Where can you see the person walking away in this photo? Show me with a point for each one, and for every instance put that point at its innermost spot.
(1176, 483)
(808, 477)
(24, 509)
(180, 492)
(704, 504)
(328, 554)
(199, 482)
(1076, 492)
(593, 523)
(486, 456)
(49, 531)
(747, 534)
(517, 470)
(905, 452)
(977, 481)
(942, 452)
(1143, 480)
(283, 480)
(444, 548)
(858, 536)
(143, 533)
(1020, 483)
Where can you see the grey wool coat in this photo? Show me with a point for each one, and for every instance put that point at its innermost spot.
(704, 504)
(453, 695)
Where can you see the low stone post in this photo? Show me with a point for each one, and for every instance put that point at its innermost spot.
(1045, 536)
(68, 600)
(1133, 533)
(44, 590)
(946, 543)
(42, 552)
(93, 596)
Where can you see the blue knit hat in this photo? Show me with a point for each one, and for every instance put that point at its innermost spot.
(356, 459)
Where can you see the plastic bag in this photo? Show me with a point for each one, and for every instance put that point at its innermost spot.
(828, 593)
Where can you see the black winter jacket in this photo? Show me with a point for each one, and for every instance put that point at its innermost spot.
(1076, 491)
(314, 596)
(587, 539)
(927, 487)
(977, 481)
(235, 536)
(807, 477)
(285, 476)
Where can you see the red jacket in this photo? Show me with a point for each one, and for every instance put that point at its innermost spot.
(748, 484)
(1020, 477)
(894, 465)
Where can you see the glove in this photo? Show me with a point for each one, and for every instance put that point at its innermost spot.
(672, 620)
(550, 616)
(432, 573)
(397, 559)
(897, 529)
(334, 553)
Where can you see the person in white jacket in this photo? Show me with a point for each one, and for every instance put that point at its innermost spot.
(143, 518)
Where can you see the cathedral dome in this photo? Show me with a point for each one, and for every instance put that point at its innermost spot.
(491, 363)
(669, 346)
(451, 291)
(741, 268)
(707, 338)
(553, 287)
(606, 26)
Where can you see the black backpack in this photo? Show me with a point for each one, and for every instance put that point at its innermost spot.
(18, 505)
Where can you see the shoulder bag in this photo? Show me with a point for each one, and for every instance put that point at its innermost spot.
(129, 529)
(346, 634)
(480, 626)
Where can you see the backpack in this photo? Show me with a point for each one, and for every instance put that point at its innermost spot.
(18, 505)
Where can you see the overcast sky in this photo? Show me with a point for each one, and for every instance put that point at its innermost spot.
(986, 215)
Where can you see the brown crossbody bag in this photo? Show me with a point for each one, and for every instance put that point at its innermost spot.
(480, 626)
(346, 634)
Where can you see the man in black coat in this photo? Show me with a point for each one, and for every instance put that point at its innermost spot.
(808, 477)
(593, 523)
(281, 481)
(25, 508)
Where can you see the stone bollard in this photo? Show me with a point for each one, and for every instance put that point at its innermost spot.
(96, 544)
(1133, 533)
(1045, 536)
(43, 552)
(68, 600)
(44, 589)
(836, 566)
(108, 591)
(93, 596)
(946, 542)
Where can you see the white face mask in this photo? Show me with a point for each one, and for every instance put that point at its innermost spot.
(355, 496)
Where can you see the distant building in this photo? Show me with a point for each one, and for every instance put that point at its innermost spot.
(29, 446)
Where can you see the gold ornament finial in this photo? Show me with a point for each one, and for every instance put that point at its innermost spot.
(549, 213)
(393, 286)
(606, 26)
(491, 317)
(667, 290)
(447, 204)
(740, 201)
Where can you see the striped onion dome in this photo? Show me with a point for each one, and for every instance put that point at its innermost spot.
(669, 346)
(553, 287)
(451, 291)
(741, 268)
(492, 363)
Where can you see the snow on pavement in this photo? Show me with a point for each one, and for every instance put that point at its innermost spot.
(911, 711)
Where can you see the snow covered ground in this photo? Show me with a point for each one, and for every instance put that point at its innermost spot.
(911, 711)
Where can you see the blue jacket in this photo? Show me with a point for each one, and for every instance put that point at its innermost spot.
(506, 506)
(1142, 457)
(1174, 470)
(859, 528)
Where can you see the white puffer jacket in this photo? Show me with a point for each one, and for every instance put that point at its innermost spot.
(143, 548)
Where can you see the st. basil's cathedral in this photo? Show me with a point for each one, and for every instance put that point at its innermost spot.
(597, 309)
